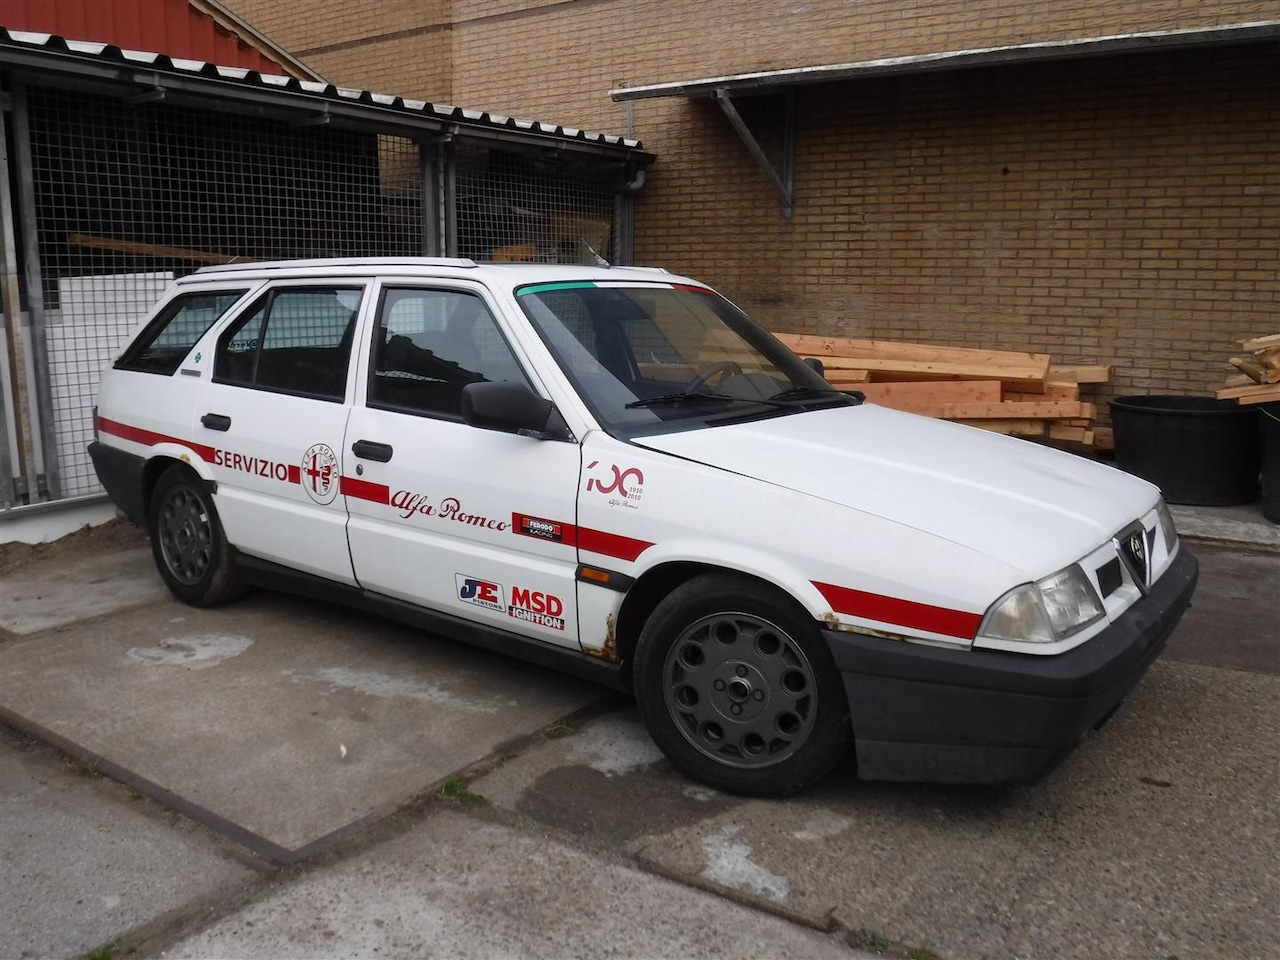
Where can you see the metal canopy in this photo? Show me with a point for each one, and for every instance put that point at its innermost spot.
(157, 76)
(724, 89)
(765, 81)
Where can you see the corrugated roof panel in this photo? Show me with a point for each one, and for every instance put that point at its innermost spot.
(45, 43)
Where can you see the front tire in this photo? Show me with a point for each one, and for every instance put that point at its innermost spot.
(188, 543)
(738, 689)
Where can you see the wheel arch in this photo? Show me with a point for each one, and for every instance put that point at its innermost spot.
(163, 459)
(658, 581)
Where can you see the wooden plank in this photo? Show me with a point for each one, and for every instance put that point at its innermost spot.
(1238, 380)
(1103, 438)
(813, 346)
(1049, 410)
(152, 249)
(932, 392)
(1251, 368)
(1266, 394)
(1052, 391)
(1247, 394)
(1058, 431)
(1093, 373)
(1029, 378)
(853, 378)
(1259, 343)
(1013, 428)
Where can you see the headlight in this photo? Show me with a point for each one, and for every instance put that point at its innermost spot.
(1051, 609)
(1167, 530)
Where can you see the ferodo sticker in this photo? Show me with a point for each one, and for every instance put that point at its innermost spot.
(537, 527)
(541, 609)
(483, 593)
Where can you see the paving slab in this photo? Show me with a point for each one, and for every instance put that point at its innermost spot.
(81, 863)
(459, 886)
(1160, 836)
(46, 595)
(287, 719)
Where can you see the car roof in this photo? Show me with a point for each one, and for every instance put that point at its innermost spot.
(502, 273)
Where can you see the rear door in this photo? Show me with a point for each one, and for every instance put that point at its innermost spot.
(275, 414)
(466, 521)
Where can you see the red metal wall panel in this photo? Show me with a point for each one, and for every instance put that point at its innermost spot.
(173, 27)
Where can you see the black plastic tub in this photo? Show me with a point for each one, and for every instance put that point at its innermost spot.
(1195, 449)
(1269, 435)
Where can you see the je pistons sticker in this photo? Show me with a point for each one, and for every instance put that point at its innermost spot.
(483, 593)
(320, 473)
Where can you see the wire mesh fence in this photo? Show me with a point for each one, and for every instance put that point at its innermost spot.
(130, 195)
(543, 209)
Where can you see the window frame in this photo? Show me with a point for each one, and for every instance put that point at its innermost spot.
(430, 285)
(145, 338)
(265, 297)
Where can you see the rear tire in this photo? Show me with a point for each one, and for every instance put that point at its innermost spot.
(738, 689)
(188, 543)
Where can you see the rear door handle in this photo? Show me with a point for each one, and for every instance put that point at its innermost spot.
(368, 450)
(216, 421)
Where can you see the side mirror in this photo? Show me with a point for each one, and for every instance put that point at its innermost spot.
(506, 406)
(814, 364)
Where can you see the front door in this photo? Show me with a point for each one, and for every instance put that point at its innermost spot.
(466, 521)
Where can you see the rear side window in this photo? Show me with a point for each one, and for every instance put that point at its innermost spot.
(167, 339)
(292, 340)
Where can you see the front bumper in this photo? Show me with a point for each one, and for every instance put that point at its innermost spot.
(929, 713)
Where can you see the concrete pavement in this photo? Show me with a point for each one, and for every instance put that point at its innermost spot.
(297, 752)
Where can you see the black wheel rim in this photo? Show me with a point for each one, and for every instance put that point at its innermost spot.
(740, 690)
(185, 532)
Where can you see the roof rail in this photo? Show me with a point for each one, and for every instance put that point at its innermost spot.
(259, 265)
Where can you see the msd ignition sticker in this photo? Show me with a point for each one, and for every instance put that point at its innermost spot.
(320, 473)
(542, 609)
(483, 593)
(623, 487)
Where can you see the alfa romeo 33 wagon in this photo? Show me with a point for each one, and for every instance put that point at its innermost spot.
(615, 472)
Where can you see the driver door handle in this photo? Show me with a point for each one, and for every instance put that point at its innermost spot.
(368, 450)
(216, 421)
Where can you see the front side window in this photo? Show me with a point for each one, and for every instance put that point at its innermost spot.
(429, 344)
(649, 358)
(292, 340)
(167, 339)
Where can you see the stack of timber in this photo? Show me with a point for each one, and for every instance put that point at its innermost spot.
(1023, 394)
(1259, 377)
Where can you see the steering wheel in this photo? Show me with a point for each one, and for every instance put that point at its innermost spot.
(706, 376)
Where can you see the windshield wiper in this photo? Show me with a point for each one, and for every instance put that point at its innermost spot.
(815, 393)
(685, 397)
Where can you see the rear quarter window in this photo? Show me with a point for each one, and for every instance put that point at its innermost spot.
(169, 337)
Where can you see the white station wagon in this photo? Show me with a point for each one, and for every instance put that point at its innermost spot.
(614, 472)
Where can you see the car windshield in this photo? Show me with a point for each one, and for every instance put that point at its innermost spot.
(657, 357)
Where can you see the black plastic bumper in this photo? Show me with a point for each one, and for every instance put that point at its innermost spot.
(930, 713)
(120, 474)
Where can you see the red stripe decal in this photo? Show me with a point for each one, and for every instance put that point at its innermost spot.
(150, 438)
(903, 613)
(364, 490)
(295, 473)
(611, 544)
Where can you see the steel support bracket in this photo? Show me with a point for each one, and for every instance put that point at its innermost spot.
(783, 182)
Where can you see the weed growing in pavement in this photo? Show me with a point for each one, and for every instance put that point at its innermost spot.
(559, 730)
(870, 940)
(455, 789)
(104, 952)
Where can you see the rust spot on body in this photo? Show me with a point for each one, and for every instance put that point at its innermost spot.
(831, 620)
(610, 649)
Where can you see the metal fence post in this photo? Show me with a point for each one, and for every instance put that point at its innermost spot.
(35, 291)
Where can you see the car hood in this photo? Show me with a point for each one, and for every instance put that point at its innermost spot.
(1030, 506)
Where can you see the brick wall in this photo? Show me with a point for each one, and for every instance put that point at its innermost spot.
(1122, 210)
